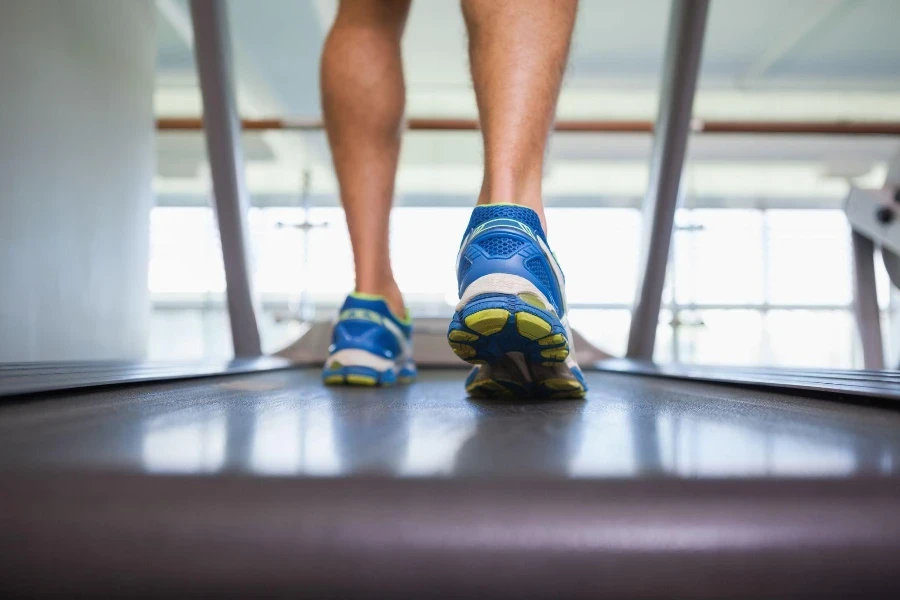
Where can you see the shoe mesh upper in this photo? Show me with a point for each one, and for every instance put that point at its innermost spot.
(537, 268)
(500, 246)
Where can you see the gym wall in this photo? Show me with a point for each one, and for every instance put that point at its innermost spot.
(76, 165)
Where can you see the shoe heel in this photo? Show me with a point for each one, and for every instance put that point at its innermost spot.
(492, 325)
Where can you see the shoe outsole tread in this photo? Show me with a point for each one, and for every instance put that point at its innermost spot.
(492, 326)
(357, 376)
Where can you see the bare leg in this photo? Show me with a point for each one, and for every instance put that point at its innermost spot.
(518, 50)
(363, 97)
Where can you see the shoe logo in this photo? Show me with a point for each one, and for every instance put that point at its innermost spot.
(558, 274)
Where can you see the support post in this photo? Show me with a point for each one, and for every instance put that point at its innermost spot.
(687, 24)
(212, 48)
(865, 301)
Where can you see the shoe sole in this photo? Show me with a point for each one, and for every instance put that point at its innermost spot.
(491, 327)
(504, 388)
(358, 376)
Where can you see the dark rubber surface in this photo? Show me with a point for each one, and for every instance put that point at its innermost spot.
(270, 483)
(287, 423)
(28, 378)
(880, 388)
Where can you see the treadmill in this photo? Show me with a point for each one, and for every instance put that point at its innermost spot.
(249, 478)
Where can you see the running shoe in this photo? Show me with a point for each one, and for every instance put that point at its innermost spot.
(511, 320)
(370, 346)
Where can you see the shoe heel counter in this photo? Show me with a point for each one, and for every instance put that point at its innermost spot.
(364, 335)
(507, 252)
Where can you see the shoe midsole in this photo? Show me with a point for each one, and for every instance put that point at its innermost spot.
(356, 357)
(501, 283)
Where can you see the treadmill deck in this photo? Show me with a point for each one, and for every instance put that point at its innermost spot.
(286, 423)
(269, 483)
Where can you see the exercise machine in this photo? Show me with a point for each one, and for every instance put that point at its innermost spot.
(247, 477)
(874, 217)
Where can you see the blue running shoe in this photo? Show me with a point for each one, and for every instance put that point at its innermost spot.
(370, 345)
(511, 318)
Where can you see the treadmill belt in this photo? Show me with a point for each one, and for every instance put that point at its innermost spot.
(268, 482)
(287, 423)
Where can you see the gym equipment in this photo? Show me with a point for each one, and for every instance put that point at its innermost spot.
(874, 217)
(251, 478)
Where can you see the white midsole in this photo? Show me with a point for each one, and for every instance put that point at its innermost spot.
(501, 283)
(354, 357)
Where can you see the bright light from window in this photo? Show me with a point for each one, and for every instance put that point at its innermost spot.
(747, 282)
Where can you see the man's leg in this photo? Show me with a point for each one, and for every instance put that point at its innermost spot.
(362, 101)
(518, 51)
(511, 320)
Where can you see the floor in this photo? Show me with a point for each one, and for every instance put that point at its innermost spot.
(286, 423)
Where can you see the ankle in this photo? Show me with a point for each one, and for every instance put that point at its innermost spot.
(525, 191)
(388, 290)
(513, 181)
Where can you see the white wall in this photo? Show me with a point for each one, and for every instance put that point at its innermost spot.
(76, 162)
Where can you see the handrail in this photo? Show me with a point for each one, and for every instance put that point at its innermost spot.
(852, 128)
